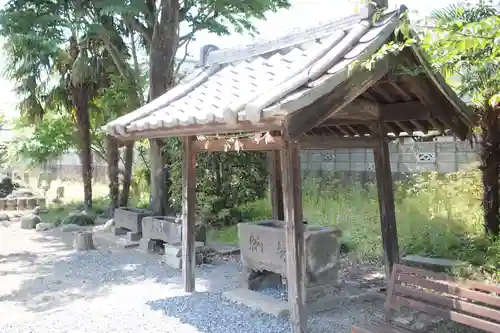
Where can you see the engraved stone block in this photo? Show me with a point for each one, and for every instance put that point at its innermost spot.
(263, 248)
(165, 228)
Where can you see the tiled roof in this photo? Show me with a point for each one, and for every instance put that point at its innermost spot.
(263, 80)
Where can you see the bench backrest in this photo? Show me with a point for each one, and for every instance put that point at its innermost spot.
(471, 303)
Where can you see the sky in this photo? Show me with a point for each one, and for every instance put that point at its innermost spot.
(303, 13)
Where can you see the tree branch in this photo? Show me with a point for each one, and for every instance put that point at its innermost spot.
(178, 67)
(146, 32)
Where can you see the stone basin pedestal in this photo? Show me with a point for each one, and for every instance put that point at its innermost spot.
(263, 255)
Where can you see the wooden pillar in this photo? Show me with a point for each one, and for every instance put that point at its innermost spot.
(386, 201)
(276, 185)
(112, 156)
(295, 266)
(188, 213)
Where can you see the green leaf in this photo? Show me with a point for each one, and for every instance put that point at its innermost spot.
(495, 100)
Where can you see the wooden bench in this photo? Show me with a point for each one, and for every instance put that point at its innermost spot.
(473, 304)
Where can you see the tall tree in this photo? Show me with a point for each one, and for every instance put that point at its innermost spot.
(464, 43)
(158, 23)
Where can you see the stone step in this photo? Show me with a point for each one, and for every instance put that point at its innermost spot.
(258, 301)
(107, 238)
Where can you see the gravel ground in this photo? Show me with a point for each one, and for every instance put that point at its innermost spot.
(47, 287)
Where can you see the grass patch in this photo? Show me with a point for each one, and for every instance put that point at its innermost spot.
(57, 213)
(227, 235)
(436, 215)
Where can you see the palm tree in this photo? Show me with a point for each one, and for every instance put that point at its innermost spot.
(465, 44)
(68, 74)
(56, 72)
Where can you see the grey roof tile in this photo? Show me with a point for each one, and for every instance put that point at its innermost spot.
(264, 79)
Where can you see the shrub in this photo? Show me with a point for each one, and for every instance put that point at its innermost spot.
(79, 218)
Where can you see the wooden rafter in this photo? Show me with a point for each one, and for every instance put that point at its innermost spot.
(356, 113)
(311, 116)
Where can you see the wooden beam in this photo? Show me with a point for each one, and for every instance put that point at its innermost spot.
(386, 113)
(295, 266)
(246, 145)
(188, 213)
(386, 201)
(307, 142)
(112, 155)
(276, 185)
(311, 116)
(360, 108)
(204, 129)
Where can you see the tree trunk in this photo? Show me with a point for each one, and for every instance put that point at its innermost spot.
(112, 158)
(81, 104)
(127, 175)
(164, 46)
(490, 167)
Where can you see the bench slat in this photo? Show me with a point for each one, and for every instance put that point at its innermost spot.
(466, 302)
(452, 289)
(449, 314)
(491, 288)
(449, 303)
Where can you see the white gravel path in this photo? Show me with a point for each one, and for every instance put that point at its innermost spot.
(45, 287)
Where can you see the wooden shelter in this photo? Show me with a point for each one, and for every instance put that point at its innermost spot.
(302, 91)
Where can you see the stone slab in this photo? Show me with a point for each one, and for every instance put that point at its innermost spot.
(258, 301)
(124, 243)
(105, 237)
(333, 301)
(173, 261)
(174, 250)
(176, 262)
(434, 264)
(110, 239)
(134, 236)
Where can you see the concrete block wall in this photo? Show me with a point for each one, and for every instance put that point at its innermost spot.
(442, 157)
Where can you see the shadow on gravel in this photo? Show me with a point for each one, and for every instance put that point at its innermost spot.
(24, 257)
(59, 275)
(210, 313)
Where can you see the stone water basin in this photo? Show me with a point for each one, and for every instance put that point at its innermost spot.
(130, 218)
(165, 228)
(262, 245)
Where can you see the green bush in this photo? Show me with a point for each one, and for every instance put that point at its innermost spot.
(79, 218)
(225, 181)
